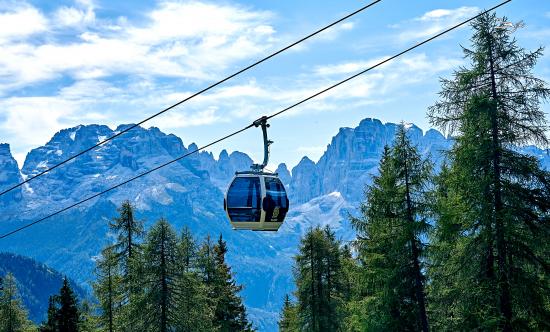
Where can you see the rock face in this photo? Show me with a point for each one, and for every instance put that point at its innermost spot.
(188, 192)
(9, 176)
(352, 158)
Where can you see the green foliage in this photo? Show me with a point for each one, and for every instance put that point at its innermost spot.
(161, 270)
(318, 274)
(288, 320)
(194, 311)
(108, 290)
(63, 311)
(389, 231)
(230, 313)
(128, 254)
(13, 316)
(490, 255)
(166, 283)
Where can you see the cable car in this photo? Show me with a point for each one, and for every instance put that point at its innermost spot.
(256, 199)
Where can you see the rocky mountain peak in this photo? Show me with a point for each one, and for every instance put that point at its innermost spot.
(284, 174)
(9, 175)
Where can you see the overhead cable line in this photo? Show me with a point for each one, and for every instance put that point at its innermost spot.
(191, 96)
(252, 124)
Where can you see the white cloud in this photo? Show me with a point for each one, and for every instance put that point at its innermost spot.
(181, 119)
(347, 67)
(71, 16)
(176, 41)
(34, 119)
(433, 22)
(335, 31)
(21, 22)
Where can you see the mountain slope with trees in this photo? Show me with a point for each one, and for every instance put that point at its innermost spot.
(35, 283)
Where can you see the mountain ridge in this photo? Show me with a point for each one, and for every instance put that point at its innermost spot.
(189, 192)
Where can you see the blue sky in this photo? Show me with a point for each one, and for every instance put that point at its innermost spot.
(65, 63)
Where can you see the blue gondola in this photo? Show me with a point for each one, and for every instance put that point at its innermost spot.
(256, 199)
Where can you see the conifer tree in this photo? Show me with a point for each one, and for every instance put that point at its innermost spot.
(490, 255)
(67, 314)
(88, 321)
(108, 289)
(194, 308)
(63, 312)
(207, 265)
(13, 316)
(158, 306)
(51, 322)
(230, 313)
(288, 320)
(389, 233)
(128, 253)
(318, 278)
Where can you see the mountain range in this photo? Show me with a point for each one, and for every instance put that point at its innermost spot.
(189, 192)
(35, 282)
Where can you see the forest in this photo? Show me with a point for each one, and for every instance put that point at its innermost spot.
(146, 281)
(460, 248)
(463, 248)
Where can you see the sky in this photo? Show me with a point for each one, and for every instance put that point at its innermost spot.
(66, 63)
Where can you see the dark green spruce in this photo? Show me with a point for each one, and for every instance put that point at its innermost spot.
(63, 311)
(389, 240)
(230, 313)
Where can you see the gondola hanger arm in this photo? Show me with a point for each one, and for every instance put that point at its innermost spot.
(262, 122)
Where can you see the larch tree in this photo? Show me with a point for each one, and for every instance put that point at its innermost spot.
(390, 235)
(194, 307)
(288, 319)
(317, 273)
(108, 289)
(13, 316)
(159, 305)
(128, 253)
(491, 262)
(230, 312)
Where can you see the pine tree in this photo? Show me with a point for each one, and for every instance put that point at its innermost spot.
(317, 273)
(288, 320)
(129, 232)
(108, 289)
(51, 323)
(158, 307)
(13, 316)
(67, 314)
(230, 313)
(206, 264)
(194, 308)
(389, 232)
(491, 266)
(63, 313)
(128, 253)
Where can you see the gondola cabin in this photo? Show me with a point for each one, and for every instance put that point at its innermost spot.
(256, 201)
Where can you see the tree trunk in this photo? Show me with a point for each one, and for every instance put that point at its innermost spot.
(110, 290)
(503, 284)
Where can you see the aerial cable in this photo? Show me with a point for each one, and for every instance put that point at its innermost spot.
(252, 124)
(191, 96)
